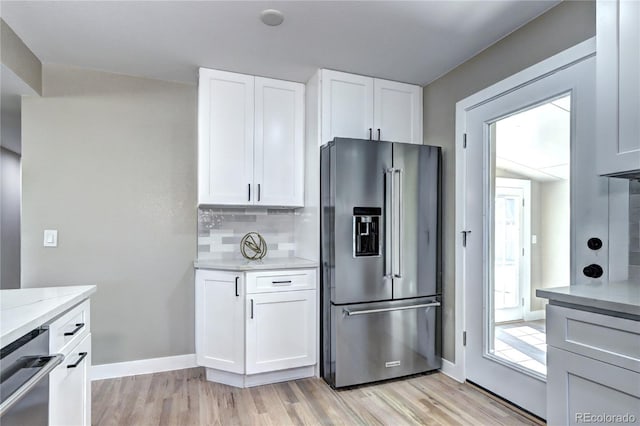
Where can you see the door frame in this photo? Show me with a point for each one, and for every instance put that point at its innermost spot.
(538, 71)
(524, 269)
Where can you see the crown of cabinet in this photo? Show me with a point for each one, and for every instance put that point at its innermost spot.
(250, 140)
(618, 86)
(355, 106)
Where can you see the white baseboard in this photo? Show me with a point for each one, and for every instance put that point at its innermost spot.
(142, 366)
(452, 370)
(534, 315)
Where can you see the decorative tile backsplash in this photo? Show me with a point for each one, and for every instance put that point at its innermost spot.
(634, 229)
(221, 229)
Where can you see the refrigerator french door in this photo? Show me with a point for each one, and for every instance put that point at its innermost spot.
(380, 238)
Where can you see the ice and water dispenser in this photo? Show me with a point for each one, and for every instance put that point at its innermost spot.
(367, 231)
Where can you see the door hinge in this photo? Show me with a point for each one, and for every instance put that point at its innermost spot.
(464, 338)
(523, 301)
(464, 237)
(523, 251)
(464, 140)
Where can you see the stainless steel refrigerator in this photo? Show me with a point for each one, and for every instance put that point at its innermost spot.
(380, 256)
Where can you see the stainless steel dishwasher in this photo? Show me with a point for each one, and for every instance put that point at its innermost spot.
(24, 379)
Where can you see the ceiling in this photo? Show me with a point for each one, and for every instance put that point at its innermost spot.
(410, 41)
(536, 143)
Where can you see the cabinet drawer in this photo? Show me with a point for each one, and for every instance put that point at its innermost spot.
(69, 329)
(69, 388)
(602, 337)
(272, 281)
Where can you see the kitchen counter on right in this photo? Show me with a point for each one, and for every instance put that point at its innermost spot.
(616, 298)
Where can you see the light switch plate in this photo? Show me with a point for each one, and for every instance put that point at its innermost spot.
(51, 238)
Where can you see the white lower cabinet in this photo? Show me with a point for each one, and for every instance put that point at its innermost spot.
(220, 320)
(593, 368)
(69, 382)
(69, 388)
(281, 330)
(256, 327)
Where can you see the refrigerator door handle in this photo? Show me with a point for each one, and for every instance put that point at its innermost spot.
(350, 313)
(400, 214)
(389, 221)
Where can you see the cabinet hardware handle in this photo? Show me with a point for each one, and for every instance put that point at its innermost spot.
(281, 282)
(378, 134)
(258, 192)
(83, 355)
(370, 133)
(237, 294)
(251, 308)
(75, 330)
(249, 192)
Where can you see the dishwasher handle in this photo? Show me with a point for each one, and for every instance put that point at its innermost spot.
(53, 362)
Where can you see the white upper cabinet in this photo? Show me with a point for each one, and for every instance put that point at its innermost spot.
(251, 140)
(397, 112)
(355, 106)
(279, 142)
(225, 135)
(347, 106)
(618, 86)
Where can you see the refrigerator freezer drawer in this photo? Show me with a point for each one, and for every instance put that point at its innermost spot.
(379, 341)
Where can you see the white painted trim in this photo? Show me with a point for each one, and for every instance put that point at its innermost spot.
(142, 366)
(534, 315)
(247, 381)
(549, 66)
(452, 370)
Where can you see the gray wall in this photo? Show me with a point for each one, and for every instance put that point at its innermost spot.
(19, 58)
(566, 25)
(110, 161)
(9, 219)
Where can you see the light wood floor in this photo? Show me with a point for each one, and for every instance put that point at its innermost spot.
(184, 397)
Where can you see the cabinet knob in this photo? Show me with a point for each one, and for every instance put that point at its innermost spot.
(593, 271)
(594, 243)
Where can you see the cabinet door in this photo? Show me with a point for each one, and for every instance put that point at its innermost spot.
(347, 106)
(220, 320)
(225, 138)
(579, 387)
(618, 85)
(70, 388)
(281, 330)
(397, 111)
(279, 143)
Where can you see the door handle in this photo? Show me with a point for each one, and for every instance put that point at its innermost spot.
(400, 213)
(258, 192)
(388, 205)
(53, 362)
(249, 193)
(378, 134)
(237, 294)
(370, 133)
(351, 313)
(251, 308)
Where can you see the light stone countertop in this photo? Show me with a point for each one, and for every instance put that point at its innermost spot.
(22, 310)
(255, 265)
(616, 297)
